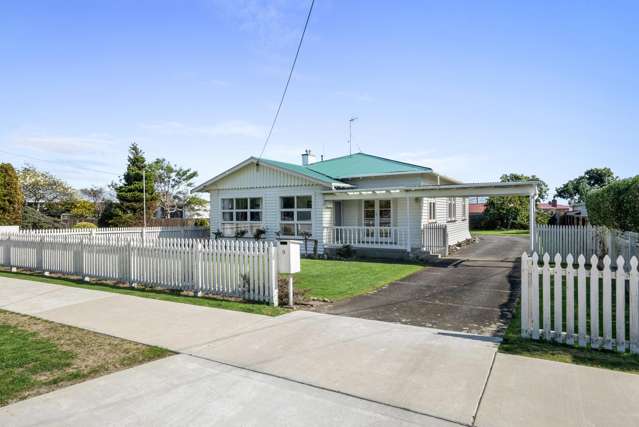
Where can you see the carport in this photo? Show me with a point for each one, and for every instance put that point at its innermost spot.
(484, 189)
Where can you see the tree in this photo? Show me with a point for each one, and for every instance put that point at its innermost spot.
(173, 185)
(83, 209)
(97, 196)
(32, 219)
(41, 187)
(615, 205)
(513, 211)
(130, 191)
(11, 197)
(578, 188)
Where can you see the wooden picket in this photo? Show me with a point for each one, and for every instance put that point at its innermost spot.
(190, 232)
(598, 291)
(217, 267)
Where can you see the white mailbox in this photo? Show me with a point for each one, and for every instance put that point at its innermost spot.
(288, 256)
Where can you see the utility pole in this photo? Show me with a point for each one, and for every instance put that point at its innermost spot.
(350, 134)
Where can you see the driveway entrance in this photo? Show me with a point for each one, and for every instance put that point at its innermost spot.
(474, 291)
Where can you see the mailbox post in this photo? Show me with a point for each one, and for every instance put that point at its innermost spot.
(288, 261)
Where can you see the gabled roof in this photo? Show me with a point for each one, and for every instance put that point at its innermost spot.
(362, 165)
(330, 172)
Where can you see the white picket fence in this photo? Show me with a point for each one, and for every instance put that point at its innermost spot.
(586, 240)
(132, 232)
(241, 269)
(564, 298)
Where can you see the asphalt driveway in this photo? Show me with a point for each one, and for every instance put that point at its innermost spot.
(474, 293)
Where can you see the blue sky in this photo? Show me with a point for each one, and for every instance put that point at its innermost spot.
(472, 89)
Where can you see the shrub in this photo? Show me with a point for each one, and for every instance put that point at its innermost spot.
(32, 219)
(616, 205)
(345, 251)
(201, 222)
(259, 233)
(85, 224)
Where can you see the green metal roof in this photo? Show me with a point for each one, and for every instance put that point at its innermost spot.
(361, 165)
(303, 170)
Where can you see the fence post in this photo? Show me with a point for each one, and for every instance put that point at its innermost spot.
(198, 270)
(129, 262)
(445, 240)
(524, 296)
(272, 258)
(81, 256)
(8, 261)
(634, 305)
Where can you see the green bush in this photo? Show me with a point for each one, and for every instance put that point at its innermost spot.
(32, 219)
(201, 222)
(616, 205)
(85, 224)
(11, 197)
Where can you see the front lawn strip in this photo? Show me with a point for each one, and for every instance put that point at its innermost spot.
(337, 280)
(38, 356)
(205, 301)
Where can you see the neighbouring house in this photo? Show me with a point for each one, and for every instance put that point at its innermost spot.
(578, 215)
(365, 201)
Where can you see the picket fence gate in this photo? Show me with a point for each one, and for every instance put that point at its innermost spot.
(435, 238)
(241, 269)
(581, 291)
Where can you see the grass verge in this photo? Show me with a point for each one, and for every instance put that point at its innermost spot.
(336, 280)
(513, 343)
(244, 306)
(38, 356)
(521, 233)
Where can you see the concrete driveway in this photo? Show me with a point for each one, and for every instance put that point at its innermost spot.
(474, 291)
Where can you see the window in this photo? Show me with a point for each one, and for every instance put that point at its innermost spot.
(296, 215)
(464, 209)
(241, 214)
(432, 210)
(452, 209)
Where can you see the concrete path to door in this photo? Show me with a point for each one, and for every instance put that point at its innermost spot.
(307, 369)
(473, 291)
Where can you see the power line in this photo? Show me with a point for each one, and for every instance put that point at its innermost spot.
(290, 74)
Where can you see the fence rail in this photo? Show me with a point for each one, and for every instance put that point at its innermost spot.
(218, 267)
(586, 240)
(435, 238)
(134, 232)
(580, 306)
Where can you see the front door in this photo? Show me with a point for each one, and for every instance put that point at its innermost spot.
(377, 219)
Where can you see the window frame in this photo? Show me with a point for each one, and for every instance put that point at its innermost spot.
(296, 210)
(432, 210)
(464, 213)
(250, 225)
(451, 216)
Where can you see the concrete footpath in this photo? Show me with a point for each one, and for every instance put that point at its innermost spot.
(306, 368)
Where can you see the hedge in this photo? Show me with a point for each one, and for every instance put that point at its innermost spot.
(616, 205)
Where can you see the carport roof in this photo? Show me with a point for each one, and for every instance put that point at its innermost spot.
(523, 188)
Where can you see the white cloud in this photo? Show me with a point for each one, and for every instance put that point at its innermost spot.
(228, 128)
(65, 144)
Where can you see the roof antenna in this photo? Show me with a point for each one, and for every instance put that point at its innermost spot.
(350, 134)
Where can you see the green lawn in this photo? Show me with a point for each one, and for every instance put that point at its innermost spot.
(247, 307)
(522, 233)
(37, 356)
(336, 280)
(513, 343)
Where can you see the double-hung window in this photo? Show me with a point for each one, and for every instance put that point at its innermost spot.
(296, 215)
(452, 209)
(432, 210)
(241, 213)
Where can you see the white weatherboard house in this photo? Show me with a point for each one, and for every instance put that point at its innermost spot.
(361, 200)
